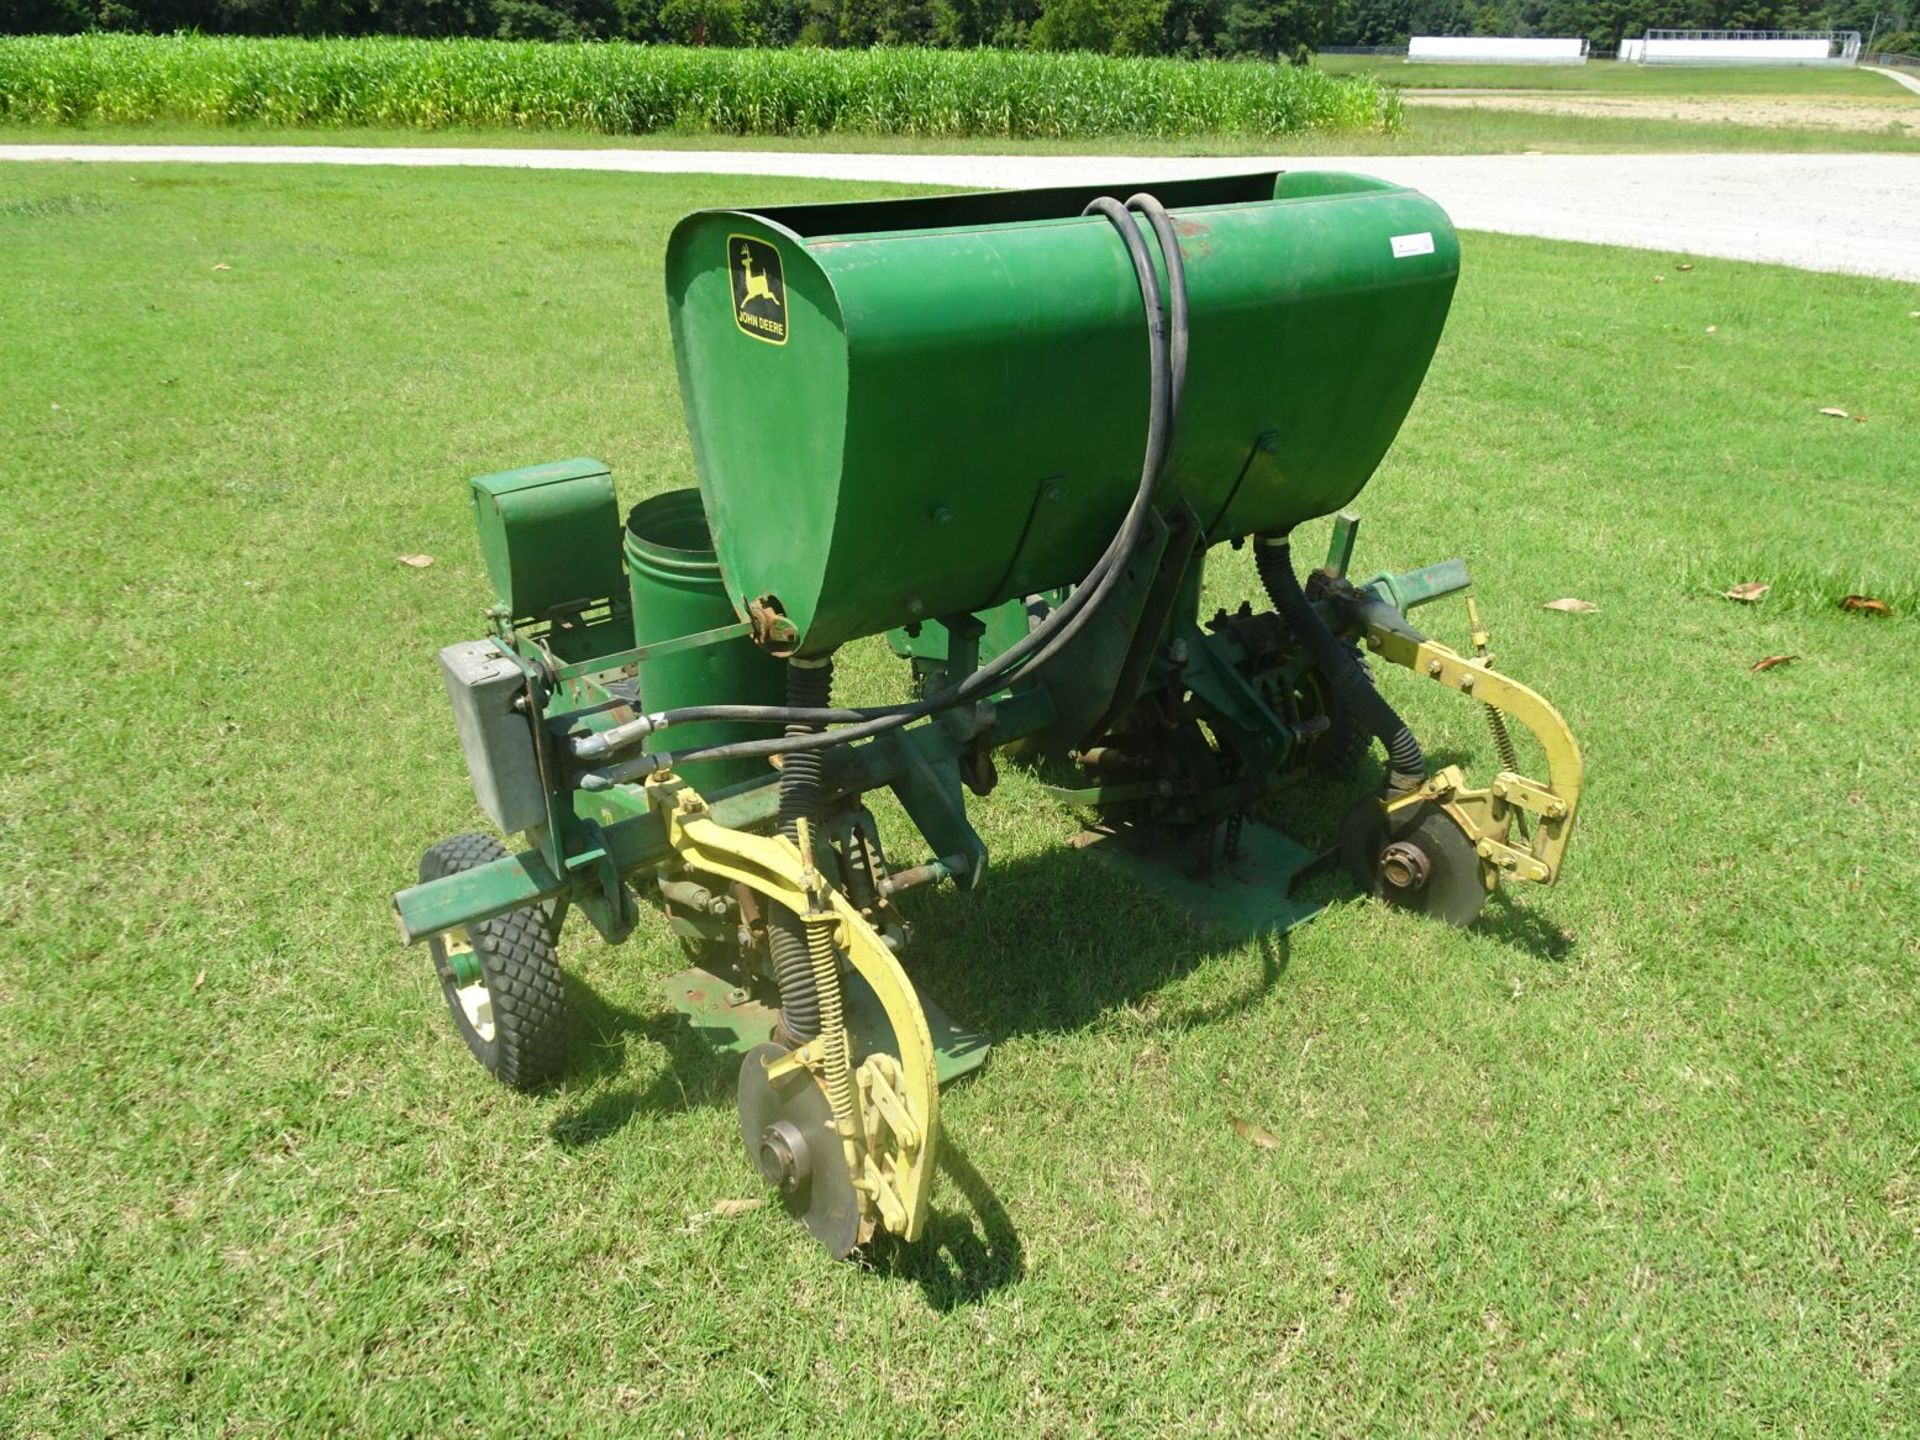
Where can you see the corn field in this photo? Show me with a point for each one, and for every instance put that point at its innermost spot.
(622, 89)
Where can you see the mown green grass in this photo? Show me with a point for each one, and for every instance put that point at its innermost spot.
(624, 89)
(1610, 77)
(1640, 1154)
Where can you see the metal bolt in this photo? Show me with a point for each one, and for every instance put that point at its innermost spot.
(736, 996)
(1177, 652)
(1466, 681)
(1053, 490)
(1434, 667)
(941, 515)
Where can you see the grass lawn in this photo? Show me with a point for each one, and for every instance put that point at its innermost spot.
(1639, 1153)
(1428, 130)
(1610, 77)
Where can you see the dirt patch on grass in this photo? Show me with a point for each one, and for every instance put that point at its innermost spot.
(1784, 113)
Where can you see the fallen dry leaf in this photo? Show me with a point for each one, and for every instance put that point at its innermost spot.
(1659, 279)
(198, 981)
(1769, 662)
(727, 1209)
(1254, 1134)
(1683, 267)
(1866, 605)
(1748, 591)
(1568, 602)
(1713, 329)
(418, 562)
(1835, 411)
(223, 267)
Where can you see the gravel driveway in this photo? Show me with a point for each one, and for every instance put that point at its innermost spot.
(1857, 213)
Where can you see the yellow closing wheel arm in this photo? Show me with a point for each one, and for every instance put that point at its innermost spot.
(887, 1111)
(1487, 816)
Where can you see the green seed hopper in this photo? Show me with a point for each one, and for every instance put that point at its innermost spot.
(1006, 431)
(948, 412)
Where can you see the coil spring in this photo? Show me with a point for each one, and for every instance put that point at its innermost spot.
(1503, 741)
(811, 686)
(1503, 745)
(836, 1061)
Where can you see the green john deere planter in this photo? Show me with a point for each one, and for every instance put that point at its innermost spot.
(1004, 430)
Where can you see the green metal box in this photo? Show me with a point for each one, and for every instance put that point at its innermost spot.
(550, 536)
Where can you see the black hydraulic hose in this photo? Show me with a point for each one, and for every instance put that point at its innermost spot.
(1166, 380)
(1406, 764)
(809, 686)
(1178, 333)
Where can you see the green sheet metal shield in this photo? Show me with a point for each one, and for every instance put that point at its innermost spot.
(549, 535)
(954, 406)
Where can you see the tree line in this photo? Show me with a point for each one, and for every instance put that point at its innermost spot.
(1192, 28)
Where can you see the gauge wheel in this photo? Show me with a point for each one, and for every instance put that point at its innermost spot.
(501, 977)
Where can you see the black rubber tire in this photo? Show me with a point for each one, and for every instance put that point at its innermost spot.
(1344, 745)
(529, 1043)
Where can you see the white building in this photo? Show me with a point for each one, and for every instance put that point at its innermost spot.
(1747, 47)
(1494, 50)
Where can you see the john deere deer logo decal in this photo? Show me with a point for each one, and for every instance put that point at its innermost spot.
(759, 289)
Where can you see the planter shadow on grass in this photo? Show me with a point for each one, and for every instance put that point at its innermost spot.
(1056, 941)
(695, 1075)
(1053, 942)
(966, 1253)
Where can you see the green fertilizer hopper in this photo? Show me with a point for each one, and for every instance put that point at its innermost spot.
(1006, 431)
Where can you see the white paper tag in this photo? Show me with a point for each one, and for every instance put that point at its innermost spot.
(1405, 245)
